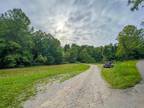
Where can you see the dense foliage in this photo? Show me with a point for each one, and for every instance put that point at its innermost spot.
(89, 54)
(21, 45)
(131, 43)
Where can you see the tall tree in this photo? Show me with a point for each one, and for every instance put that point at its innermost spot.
(130, 42)
(45, 45)
(109, 52)
(85, 57)
(21, 46)
(15, 33)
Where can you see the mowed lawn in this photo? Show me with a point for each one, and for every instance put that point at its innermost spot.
(122, 75)
(16, 85)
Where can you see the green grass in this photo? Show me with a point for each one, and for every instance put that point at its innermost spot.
(16, 85)
(122, 75)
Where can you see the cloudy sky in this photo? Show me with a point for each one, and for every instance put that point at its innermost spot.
(92, 22)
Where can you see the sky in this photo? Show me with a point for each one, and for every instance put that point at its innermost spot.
(84, 22)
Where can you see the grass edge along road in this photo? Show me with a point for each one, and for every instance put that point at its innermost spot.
(123, 75)
(18, 81)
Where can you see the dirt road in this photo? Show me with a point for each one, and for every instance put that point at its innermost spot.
(87, 90)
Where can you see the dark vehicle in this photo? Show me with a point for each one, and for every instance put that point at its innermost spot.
(108, 64)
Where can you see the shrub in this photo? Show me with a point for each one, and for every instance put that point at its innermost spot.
(50, 60)
(9, 61)
(41, 59)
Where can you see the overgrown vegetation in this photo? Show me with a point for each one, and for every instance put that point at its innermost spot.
(18, 84)
(122, 75)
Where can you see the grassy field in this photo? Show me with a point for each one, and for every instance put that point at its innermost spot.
(16, 85)
(122, 75)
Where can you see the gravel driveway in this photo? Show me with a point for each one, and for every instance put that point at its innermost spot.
(88, 90)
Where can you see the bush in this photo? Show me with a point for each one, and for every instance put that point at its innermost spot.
(50, 60)
(26, 58)
(41, 59)
(9, 61)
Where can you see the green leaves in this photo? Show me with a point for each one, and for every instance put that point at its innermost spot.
(135, 4)
(41, 59)
(21, 46)
(130, 43)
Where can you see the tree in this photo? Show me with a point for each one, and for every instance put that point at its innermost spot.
(9, 61)
(135, 4)
(84, 57)
(46, 45)
(41, 59)
(71, 53)
(21, 46)
(98, 54)
(108, 52)
(130, 43)
(66, 47)
(15, 34)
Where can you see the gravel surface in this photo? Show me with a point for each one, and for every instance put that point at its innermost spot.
(88, 90)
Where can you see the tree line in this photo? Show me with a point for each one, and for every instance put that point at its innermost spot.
(21, 45)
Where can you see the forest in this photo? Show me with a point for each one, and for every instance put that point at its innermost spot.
(22, 45)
